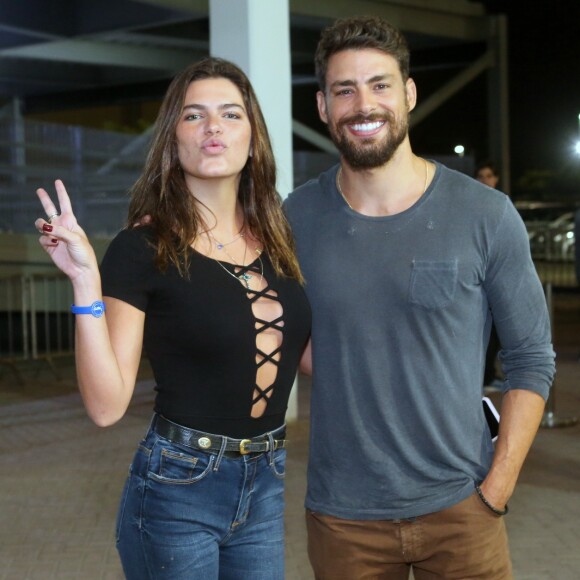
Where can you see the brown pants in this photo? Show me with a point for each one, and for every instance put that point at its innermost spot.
(464, 541)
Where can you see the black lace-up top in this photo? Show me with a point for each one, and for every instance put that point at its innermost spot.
(224, 357)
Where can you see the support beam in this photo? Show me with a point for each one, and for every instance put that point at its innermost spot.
(193, 6)
(103, 53)
(498, 101)
(313, 137)
(458, 20)
(19, 148)
(435, 100)
(136, 144)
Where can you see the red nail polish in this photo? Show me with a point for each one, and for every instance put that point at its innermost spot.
(54, 240)
(46, 228)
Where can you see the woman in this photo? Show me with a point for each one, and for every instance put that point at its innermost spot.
(211, 287)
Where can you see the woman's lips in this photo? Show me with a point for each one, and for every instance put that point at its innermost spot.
(213, 146)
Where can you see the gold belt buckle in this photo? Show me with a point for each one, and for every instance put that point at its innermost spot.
(243, 443)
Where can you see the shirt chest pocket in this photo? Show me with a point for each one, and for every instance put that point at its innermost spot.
(433, 284)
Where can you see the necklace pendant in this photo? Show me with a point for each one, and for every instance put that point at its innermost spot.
(219, 246)
(246, 278)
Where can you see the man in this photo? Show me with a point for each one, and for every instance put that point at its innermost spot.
(487, 174)
(403, 260)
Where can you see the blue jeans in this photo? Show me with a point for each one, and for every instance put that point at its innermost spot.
(188, 514)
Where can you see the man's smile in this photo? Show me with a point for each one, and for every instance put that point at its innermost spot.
(367, 128)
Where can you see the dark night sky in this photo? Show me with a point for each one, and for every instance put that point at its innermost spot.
(544, 99)
(544, 104)
(544, 45)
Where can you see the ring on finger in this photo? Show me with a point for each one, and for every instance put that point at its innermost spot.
(51, 217)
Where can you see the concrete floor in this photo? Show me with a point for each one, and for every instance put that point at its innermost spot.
(60, 478)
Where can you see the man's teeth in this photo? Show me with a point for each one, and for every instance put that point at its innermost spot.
(367, 126)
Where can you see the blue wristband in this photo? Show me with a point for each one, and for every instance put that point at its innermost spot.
(97, 309)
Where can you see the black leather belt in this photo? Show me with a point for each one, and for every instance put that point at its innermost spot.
(210, 442)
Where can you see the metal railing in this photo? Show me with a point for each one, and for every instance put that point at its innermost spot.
(553, 245)
(35, 321)
(98, 168)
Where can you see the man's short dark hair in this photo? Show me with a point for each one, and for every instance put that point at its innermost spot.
(358, 33)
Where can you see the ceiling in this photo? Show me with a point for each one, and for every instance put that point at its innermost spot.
(71, 53)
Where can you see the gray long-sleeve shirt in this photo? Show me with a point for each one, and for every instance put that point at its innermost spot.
(401, 317)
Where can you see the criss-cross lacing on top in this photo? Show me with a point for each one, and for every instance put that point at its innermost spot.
(269, 329)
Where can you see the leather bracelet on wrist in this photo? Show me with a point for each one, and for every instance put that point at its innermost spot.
(492, 508)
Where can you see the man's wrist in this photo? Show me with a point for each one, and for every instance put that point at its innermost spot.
(488, 504)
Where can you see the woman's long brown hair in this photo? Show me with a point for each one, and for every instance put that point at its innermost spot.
(161, 192)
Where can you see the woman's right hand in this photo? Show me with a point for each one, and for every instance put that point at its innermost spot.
(62, 237)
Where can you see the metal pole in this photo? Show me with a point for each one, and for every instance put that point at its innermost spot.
(33, 328)
(24, 309)
(550, 419)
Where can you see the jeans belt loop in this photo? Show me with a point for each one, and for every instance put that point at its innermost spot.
(220, 454)
(272, 448)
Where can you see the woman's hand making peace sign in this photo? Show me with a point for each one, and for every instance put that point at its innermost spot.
(62, 237)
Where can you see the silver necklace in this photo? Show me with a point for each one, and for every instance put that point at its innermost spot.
(232, 259)
(245, 277)
(339, 174)
(220, 246)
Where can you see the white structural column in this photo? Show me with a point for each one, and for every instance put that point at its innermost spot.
(255, 35)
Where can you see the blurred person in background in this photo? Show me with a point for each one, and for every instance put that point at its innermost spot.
(488, 174)
(577, 243)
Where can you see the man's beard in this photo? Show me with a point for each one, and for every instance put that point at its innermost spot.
(370, 153)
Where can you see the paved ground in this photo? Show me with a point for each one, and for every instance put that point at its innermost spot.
(60, 478)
